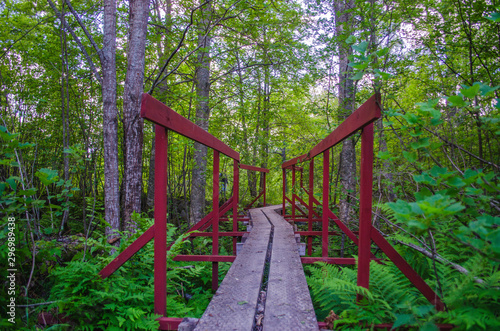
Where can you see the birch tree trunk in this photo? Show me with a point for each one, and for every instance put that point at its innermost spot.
(202, 78)
(110, 125)
(132, 122)
(343, 19)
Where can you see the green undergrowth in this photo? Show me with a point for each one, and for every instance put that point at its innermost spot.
(125, 300)
(472, 302)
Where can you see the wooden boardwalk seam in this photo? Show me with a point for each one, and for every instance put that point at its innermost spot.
(288, 304)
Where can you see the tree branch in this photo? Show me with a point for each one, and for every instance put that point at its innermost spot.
(89, 36)
(78, 42)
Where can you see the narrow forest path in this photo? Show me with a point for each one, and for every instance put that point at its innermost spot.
(265, 288)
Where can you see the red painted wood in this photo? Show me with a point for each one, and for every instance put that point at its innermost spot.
(329, 260)
(206, 258)
(157, 112)
(407, 270)
(169, 323)
(215, 221)
(253, 201)
(364, 115)
(293, 193)
(326, 184)
(160, 216)
(264, 190)
(342, 226)
(221, 234)
(297, 209)
(318, 233)
(236, 195)
(305, 219)
(305, 204)
(128, 253)
(223, 209)
(283, 210)
(295, 160)
(365, 206)
(252, 168)
(311, 205)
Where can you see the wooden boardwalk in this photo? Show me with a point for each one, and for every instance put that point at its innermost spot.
(243, 301)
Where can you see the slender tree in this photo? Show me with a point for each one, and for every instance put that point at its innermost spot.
(202, 77)
(110, 122)
(132, 122)
(346, 98)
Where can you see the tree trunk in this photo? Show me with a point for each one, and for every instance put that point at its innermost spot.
(346, 107)
(132, 122)
(202, 78)
(110, 125)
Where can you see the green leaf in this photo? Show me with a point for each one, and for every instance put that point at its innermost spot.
(421, 143)
(381, 74)
(382, 52)
(361, 47)
(456, 182)
(471, 91)
(385, 155)
(410, 156)
(494, 17)
(121, 320)
(350, 40)
(28, 192)
(358, 75)
(429, 326)
(423, 310)
(47, 176)
(12, 182)
(487, 91)
(428, 105)
(457, 101)
(242, 302)
(411, 118)
(403, 319)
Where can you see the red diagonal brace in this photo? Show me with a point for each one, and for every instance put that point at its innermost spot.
(407, 270)
(128, 253)
(304, 204)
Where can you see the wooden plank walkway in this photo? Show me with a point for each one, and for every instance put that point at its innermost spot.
(287, 305)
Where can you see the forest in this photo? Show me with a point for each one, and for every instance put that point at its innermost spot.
(271, 79)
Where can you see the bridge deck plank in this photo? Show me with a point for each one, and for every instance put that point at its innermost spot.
(288, 302)
(233, 305)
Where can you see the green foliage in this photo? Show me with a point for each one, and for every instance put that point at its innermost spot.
(124, 301)
(391, 297)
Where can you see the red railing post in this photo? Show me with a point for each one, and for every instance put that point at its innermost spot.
(293, 194)
(264, 189)
(326, 184)
(236, 198)
(160, 215)
(215, 221)
(311, 205)
(365, 206)
(284, 193)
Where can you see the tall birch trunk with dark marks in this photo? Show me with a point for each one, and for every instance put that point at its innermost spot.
(202, 77)
(110, 125)
(347, 93)
(132, 122)
(162, 48)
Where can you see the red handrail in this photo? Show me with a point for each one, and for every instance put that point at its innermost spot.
(361, 119)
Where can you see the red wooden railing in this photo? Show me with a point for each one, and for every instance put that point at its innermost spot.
(167, 119)
(362, 119)
(264, 171)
